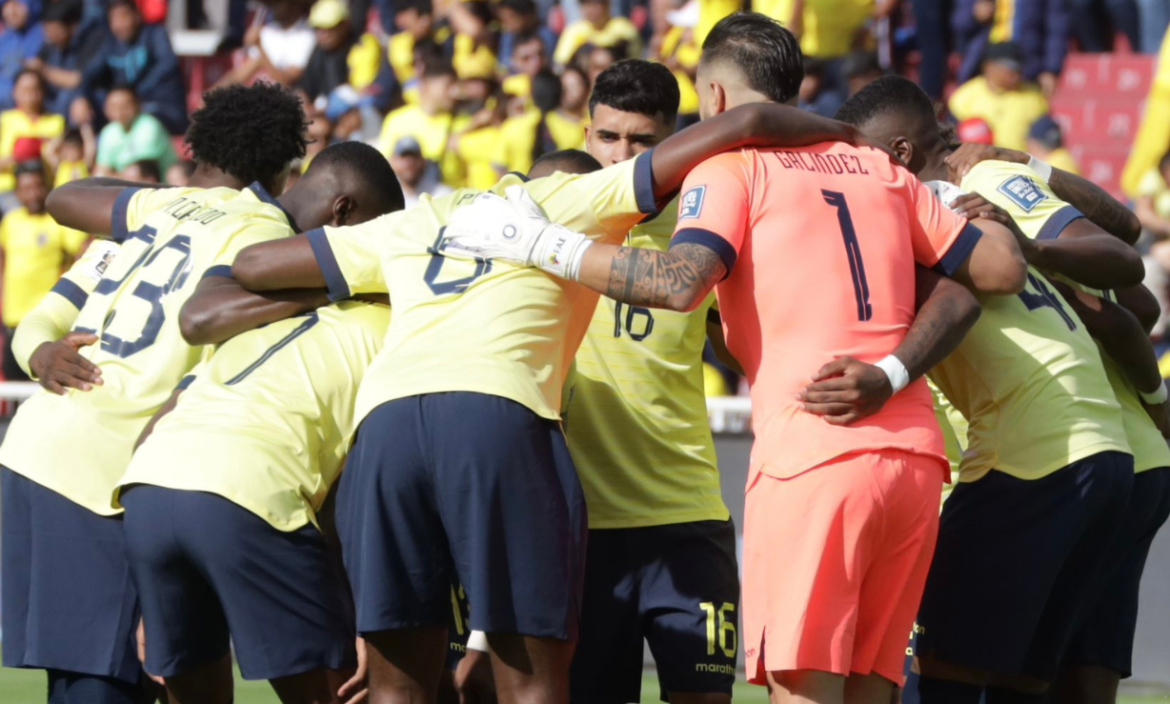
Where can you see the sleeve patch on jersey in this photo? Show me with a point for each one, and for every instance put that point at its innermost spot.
(1023, 191)
(70, 292)
(691, 204)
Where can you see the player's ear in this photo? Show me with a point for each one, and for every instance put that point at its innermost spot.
(904, 148)
(343, 210)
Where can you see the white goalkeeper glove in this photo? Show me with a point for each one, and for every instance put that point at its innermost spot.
(514, 229)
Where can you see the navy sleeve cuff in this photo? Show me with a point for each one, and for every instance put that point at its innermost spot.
(644, 184)
(119, 230)
(71, 291)
(219, 270)
(334, 281)
(960, 249)
(185, 382)
(710, 240)
(1058, 221)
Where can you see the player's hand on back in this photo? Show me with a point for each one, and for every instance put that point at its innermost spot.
(846, 390)
(473, 678)
(969, 154)
(58, 365)
(356, 689)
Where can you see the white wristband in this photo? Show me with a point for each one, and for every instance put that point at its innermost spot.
(1040, 168)
(560, 251)
(1156, 397)
(896, 371)
(477, 640)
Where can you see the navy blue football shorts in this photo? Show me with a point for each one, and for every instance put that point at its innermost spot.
(213, 575)
(463, 488)
(1017, 563)
(675, 587)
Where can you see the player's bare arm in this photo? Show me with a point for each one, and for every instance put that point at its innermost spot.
(1083, 252)
(1140, 301)
(1084, 195)
(221, 308)
(847, 390)
(678, 279)
(759, 125)
(88, 204)
(996, 266)
(1126, 342)
(279, 264)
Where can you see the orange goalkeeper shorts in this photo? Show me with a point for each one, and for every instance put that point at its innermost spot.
(835, 560)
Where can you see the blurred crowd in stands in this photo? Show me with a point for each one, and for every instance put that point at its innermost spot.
(457, 92)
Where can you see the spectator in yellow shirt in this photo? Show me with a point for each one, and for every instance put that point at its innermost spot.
(27, 120)
(1001, 97)
(1046, 143)
(415, 20)
(35, 251)
(1153, 137)
(597, 28)
(529, 57)
(1152, 205)
(431, 121)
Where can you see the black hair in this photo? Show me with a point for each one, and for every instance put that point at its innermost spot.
(72, 136)
(546, 90)
(122, 3)
(637, 86)
(367, 167)
(885, 95)
(422, 7)
(814, 67)
(186, 165)
(479, 9)
(861, 63)
(520, 7)
(768, 54)
(31, 166)
(437, 67)
(64, 11)
(129, 88)
(30, 72)
(149, 168)
(524, 37)
(571, 161)
(252, 133)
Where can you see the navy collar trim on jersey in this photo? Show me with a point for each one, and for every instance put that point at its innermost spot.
(263, 194)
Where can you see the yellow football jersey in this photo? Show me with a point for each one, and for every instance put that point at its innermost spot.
(954, 431)
(265, 420)
(478, 325)
(79, 444)
(54, 315)
(1041, 215)
(636, 415)
(36, 249)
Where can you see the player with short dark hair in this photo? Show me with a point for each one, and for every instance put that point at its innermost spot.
(810, 631)
(68, 603)
(569, 161)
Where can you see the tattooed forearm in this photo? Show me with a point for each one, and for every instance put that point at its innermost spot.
(1099, 207)
(676, 279)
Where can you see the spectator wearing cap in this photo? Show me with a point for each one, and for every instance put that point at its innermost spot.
(431, 122)
(26, 127)
(35, 251)
(20, 40)
(1039, 27)
(598, 28)
(131, 135)
(278, 49)
(1046, 142)
(141, 56)
(417, 176)
(1001, 97)
(974, 130)
(340, 58)
(67, 49)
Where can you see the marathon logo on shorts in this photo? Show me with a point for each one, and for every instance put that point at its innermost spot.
(1023, 191)
(691, 205)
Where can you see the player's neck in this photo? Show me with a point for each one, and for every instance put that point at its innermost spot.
(207, 176)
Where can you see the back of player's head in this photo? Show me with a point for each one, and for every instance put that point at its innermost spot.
(637, 86)
(766, 53)
(359, 171)
(891, 96)
(250, 133)
(566, 161)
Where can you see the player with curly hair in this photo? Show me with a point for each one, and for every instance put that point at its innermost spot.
(69, 603)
